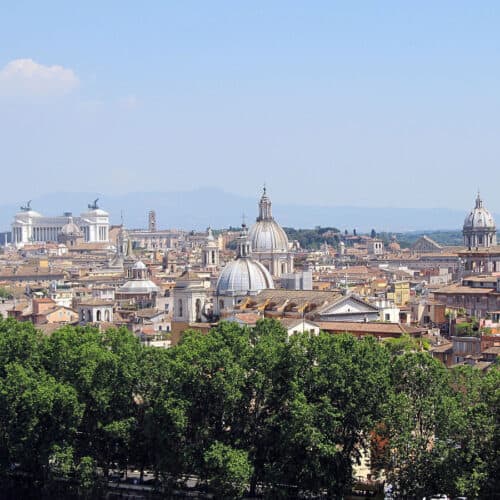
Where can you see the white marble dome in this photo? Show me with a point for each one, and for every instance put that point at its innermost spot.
(243, 276)
(266, 235)
(480, 217)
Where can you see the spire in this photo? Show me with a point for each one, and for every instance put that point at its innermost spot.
(265, 212)
(243, 243)
(479, 201)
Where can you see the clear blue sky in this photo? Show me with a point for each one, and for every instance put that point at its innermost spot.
(335, 103)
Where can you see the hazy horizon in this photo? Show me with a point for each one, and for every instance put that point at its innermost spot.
(331, 104)
(199, 208)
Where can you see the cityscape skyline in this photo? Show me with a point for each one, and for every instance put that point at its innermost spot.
(249, 249)
(211, 207)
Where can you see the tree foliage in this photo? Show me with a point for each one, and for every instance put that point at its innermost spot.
(242, 410)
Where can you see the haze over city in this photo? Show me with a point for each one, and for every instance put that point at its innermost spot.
(380, 105)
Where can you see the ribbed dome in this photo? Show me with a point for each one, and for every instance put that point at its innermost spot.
(71, 229)
(242, 276)
(480, 217)
(268, 236)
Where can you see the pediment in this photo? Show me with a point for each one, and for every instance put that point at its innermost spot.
(349, 305)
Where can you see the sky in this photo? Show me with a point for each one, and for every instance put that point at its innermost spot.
(383, 104)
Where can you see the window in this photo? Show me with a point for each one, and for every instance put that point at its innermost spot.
(198, 310)
(98, 315)
(180, 307)
(387, 317)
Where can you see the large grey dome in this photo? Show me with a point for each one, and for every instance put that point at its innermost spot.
(242, 276)
(266, 235)
(479, 227)
(480, 217)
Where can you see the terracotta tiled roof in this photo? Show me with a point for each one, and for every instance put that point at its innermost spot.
(368, 327)
(448, 347)
(96, 302)
(465, 290)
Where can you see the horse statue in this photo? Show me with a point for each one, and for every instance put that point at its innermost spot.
(26, 208)
(94, 206)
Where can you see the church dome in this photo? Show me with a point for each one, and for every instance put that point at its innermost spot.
(71, 229)
(479, 218)
(266, 235)
(243, 275)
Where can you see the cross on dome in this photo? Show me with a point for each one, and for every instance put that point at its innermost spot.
(479, 201)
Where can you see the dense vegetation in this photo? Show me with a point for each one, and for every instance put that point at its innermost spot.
(242, 410)
(314, 238)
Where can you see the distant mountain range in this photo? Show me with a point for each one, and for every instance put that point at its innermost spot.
(205, 207)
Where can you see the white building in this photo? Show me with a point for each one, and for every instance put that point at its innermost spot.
(30, 226)
(192, 299)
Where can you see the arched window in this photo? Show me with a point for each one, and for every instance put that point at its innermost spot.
(82, 314)
(89, 312)
(106, 315)
(98, 315)
(180, 308)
